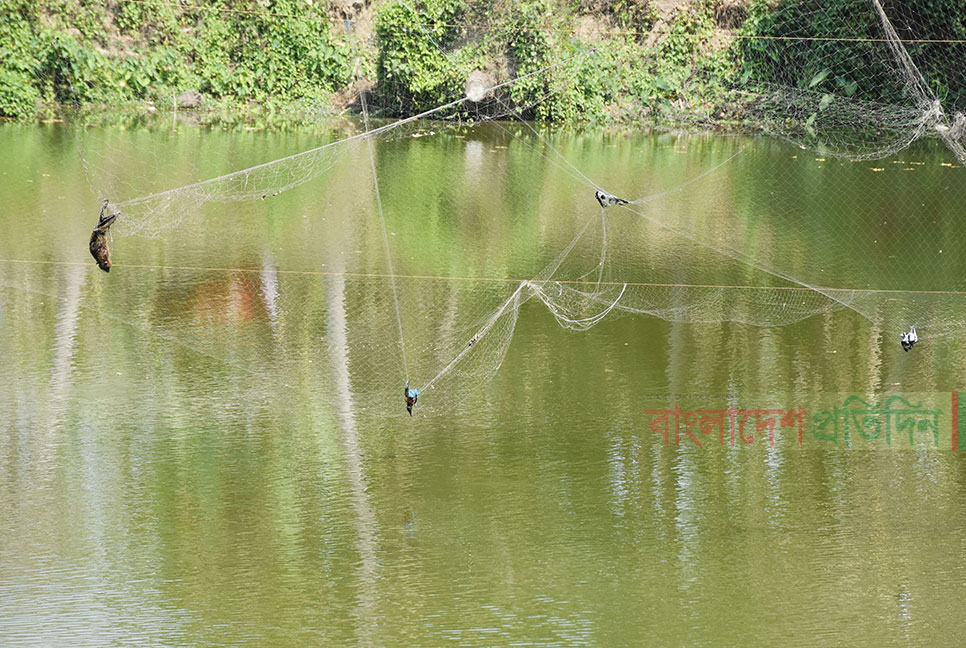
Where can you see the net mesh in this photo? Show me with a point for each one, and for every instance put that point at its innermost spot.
(871, 94)
(859, 79)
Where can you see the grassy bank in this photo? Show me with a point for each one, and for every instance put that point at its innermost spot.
(614, 61)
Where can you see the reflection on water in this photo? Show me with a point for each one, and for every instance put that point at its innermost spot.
(209, 445)
(341, 394)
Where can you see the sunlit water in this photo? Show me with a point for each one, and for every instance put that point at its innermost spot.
(208, 446)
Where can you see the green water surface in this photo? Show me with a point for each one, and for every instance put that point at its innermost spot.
(208, 446)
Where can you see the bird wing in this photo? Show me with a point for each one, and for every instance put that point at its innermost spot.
(103, 222)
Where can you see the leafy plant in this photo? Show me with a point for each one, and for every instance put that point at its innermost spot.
(415, 69)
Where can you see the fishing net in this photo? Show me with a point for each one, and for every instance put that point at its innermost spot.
(865, 100)
(858, 79)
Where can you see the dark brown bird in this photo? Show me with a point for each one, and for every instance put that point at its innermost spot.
(99, 239)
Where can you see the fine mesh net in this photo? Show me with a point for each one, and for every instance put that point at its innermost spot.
(859, 79)
(870, 94)
(153, 214)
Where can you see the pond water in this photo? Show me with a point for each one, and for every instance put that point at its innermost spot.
(209, 445)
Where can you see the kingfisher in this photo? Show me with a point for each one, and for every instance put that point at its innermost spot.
(98, 245)
(909, 339)
(412, 395)
(605, 199)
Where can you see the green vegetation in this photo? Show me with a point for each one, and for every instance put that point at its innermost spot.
(632, 63)
(412, 74)
(71, 52)
(610, 78)
(848, 66)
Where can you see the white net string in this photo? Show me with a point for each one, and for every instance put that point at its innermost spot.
(631, 260)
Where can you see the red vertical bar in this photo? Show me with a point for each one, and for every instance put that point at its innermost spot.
(955, 420)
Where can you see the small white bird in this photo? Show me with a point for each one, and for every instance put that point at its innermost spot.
(909, 339)
(605, 199)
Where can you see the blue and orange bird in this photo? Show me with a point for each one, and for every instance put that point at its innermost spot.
(412, 395)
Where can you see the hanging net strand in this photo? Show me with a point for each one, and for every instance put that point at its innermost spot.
(865, 119)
